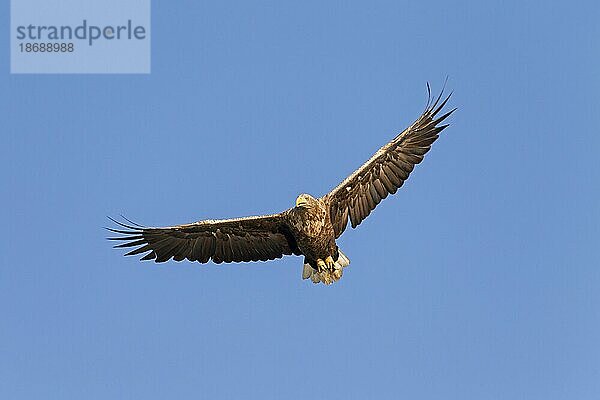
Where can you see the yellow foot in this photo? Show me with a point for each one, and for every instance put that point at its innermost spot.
(321, 264)
(328, 271)
(330, 263)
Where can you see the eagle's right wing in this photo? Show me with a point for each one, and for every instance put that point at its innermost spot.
(230, 240)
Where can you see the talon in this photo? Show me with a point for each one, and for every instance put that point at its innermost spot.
(330, 263)
(321, 264)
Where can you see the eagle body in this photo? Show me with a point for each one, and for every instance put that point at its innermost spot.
(310, 224)
(310, 228)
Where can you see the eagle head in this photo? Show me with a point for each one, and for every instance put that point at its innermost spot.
(305, 201)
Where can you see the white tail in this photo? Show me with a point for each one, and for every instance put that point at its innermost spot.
(342, 259)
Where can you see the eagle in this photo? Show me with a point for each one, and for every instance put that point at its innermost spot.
(308, 229)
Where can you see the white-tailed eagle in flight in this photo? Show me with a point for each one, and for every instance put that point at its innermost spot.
(310, 228)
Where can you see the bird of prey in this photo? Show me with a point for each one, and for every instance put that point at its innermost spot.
(310, 228)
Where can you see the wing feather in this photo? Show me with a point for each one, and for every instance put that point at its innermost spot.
(385, 172)
(232, 240)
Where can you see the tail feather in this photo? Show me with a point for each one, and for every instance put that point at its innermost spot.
(342, 259)
(307, 271)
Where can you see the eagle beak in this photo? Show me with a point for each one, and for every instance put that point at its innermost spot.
(301, 202)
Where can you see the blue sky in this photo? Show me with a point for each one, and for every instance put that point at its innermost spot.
(479, 279)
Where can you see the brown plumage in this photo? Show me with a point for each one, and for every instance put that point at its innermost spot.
(310, 228)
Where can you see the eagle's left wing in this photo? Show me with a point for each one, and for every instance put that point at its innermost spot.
(387, 170)
(232, 240)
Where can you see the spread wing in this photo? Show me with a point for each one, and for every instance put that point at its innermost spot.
(230, 240)
(387, 170)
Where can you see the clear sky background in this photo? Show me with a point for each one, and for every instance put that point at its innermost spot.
(479, 279)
